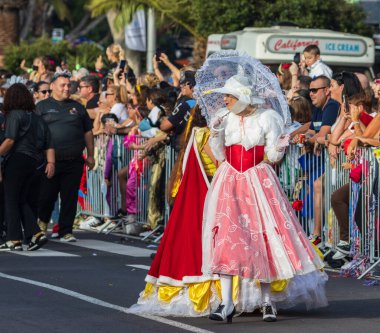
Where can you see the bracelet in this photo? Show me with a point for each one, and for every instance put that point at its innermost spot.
(50, 162)
(355, 123)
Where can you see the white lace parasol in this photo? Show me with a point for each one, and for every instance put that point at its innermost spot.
(220, 66)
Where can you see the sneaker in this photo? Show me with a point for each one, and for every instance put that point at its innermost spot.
(37, 241)
(104, 225)
(316, 240)
(269, 313)
(90, 222)
(95, 223)
(68, 238)
(343, 250)
(43, 226)
(10, 246)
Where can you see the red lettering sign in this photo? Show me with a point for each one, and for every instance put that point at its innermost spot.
(293, 44)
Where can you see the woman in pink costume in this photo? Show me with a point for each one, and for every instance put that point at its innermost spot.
(249, 228)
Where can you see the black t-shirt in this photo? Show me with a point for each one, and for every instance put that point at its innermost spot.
(326, 116)
(68, 121)
(93, 102)
(30, 133)
(180, 117)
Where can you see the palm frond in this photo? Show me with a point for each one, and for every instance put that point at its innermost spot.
(61, 9)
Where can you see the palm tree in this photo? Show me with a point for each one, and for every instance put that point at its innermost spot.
(178, 11)
(9, 22)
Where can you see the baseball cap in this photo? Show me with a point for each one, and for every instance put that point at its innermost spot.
(187, 77)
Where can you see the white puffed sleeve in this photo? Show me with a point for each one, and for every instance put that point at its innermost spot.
(217, 134)
(273, 126)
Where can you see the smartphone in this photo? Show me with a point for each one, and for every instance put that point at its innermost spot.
(297, 58)
(129, 75)
(346, 104)
(122, 64)
(158, 54)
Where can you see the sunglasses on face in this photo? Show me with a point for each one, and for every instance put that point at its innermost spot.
(44, 92)
(315, 90)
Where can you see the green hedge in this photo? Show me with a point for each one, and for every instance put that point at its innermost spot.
(84, 54)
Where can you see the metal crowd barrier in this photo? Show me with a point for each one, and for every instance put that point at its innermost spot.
(297, 173)
(102, 200)
(364, 210)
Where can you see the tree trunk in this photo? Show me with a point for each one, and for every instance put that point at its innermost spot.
(133, 57)
(9, 24)
(28, 19)
(199, 53)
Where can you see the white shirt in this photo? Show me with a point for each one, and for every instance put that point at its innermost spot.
(120, 111)
(154, 114)
(264, 127)
(320, 68)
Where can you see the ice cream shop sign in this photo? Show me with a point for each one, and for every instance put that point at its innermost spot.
(328, 46)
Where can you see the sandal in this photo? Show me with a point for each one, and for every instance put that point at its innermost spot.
(11, 246)
(38, 240)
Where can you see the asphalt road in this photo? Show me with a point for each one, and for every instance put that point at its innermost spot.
(88, 287)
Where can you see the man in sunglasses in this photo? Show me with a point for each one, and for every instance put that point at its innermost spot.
(89, 90)
(325, 109)
(325, 112)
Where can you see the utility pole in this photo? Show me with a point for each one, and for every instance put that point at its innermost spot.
(151, 39)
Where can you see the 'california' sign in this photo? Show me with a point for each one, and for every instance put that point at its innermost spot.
(328, 46)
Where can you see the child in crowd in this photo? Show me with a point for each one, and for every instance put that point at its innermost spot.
(312, 64)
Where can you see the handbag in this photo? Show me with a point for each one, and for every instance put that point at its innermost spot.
(145, 125)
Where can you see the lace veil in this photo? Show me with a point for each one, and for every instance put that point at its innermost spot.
(263, 86)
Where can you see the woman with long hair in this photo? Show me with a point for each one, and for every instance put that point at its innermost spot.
(27, 139)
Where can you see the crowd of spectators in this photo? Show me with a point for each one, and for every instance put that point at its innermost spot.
(329, 110)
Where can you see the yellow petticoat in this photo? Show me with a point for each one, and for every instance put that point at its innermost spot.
(166, 293)
(200, 293)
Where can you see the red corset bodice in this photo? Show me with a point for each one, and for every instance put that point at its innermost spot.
(242, 159)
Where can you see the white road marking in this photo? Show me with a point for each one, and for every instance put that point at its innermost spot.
(99, 302)
(145, 267)
(44, 253)
(125, 250)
